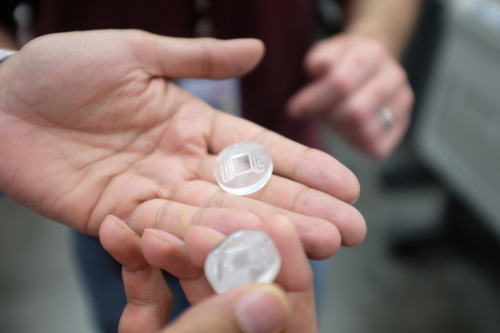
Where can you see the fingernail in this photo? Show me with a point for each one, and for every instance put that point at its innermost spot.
(119, 223)
(165, 237)
(263, 310)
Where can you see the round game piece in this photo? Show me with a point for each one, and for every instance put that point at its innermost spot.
(243, 168)
(247, 256)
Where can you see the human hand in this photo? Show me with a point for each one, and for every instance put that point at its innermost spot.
(91, 125)
(252, 308)
(186, 260)
(354, 78)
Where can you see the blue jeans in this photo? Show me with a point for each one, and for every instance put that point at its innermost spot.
(102, 278)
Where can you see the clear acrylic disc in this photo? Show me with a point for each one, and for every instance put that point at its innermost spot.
(243, 168)
(247, 256)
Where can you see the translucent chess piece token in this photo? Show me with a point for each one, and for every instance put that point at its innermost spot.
(243, 168)
(247, 256)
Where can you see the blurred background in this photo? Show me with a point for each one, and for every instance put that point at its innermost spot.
(431, 260)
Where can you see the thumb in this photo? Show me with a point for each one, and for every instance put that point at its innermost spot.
(257, 308)
(200, 57)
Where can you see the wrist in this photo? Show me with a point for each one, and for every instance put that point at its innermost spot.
(390, 22)
(376, 32)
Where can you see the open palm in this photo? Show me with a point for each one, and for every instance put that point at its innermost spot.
(91, 125)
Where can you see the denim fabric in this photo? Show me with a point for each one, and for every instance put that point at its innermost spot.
(102, 278)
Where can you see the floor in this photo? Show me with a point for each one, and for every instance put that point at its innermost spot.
(39, 287)
(369, 289)
(439, 291)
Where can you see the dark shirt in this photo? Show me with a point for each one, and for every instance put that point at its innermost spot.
(285, 26)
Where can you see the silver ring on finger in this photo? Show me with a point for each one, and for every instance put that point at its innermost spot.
(386, 117)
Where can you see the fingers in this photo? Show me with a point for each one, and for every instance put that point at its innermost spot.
(319, 59)
(198, 58)
(311, 184)
(357, 118)
(348, 61)
(165, 251)
(401, 110)
(199, 242)
(320, 237)
(354, 84)
(149, 300)
(344, 78)
(258, 308)
(295, 275)
(186, 259)
(316, 97)
(291, 160)
(176, 217)
(294, 197)
(388, 84)
(323, 222)
(252, 308)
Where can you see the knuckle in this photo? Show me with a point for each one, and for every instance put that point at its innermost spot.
(206, 58)
(356, 115)
(341, 84)
(400, 76)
